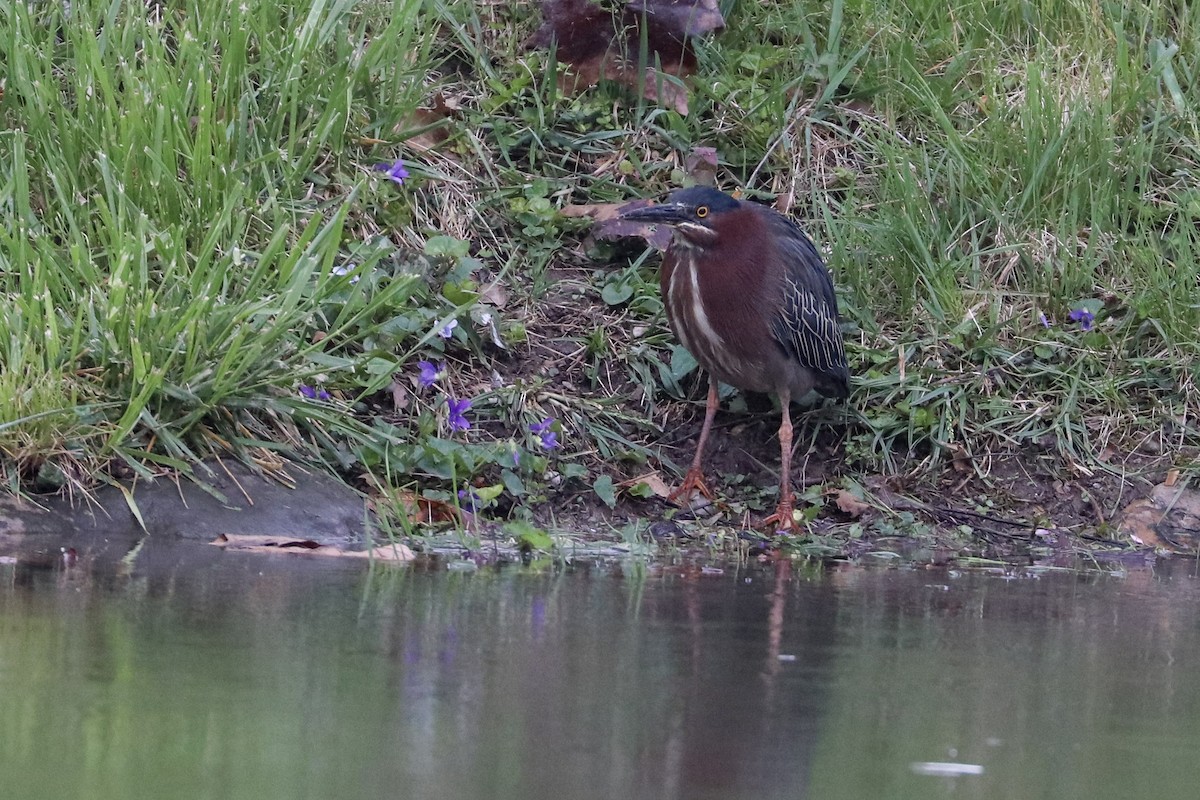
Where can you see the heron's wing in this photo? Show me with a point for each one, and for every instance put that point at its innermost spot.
(807, 326)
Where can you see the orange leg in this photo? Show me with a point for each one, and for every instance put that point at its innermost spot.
(782, 519)
(694, 480)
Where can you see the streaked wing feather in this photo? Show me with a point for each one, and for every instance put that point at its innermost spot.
(808, 328)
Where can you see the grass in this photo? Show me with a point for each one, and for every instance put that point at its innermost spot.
(181, 190)
(196, 231)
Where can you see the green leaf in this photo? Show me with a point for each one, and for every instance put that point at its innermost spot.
(682, 362)
(923, 418)
(616, 292)
(512, 482)
(461, 293)
(572, 470)
(382, 366)
(488, 494)
(642, 490)
(528, 536)
(604, 489)
(447, 246)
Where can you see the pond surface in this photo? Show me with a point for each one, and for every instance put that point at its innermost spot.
(202, 674)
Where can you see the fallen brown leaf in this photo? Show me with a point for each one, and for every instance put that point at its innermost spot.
(1169, 518)
(423, 511)
(597, 211)
(960, 460)
(657, 86)
(609, 226)
(849, 504)
(651, 479)
(494, 294)
(701, 164)
(599, 43)
(1138, 522)
(399, 396)
(682, 17)
(426, 128)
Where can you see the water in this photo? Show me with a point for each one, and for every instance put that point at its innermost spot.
(202, 674)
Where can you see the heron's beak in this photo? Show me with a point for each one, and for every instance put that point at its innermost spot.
(662, 214)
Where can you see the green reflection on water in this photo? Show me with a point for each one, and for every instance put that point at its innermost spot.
(1061, 686)
(211, 675)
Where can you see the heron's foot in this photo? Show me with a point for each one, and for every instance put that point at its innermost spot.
(783, 520)
(693, 484)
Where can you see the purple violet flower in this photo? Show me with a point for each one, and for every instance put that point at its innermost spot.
(469, 500)
(1042, 319)
(542, 430)
(395, 172)
(458, 410)
(448, 330)
(314, 393)
(1084, 317)
(429, 374)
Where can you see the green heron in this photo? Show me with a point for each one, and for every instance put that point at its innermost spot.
(748, 295)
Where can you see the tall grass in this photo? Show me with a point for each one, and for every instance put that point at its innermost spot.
(971, 169)
(184, 186)
(176, 181)
(1019, 162)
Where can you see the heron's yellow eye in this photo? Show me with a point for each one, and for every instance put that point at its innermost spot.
(702, 212)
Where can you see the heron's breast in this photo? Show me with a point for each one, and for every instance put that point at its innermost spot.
(711, 325)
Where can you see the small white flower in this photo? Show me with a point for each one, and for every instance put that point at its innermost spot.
(346, 270)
